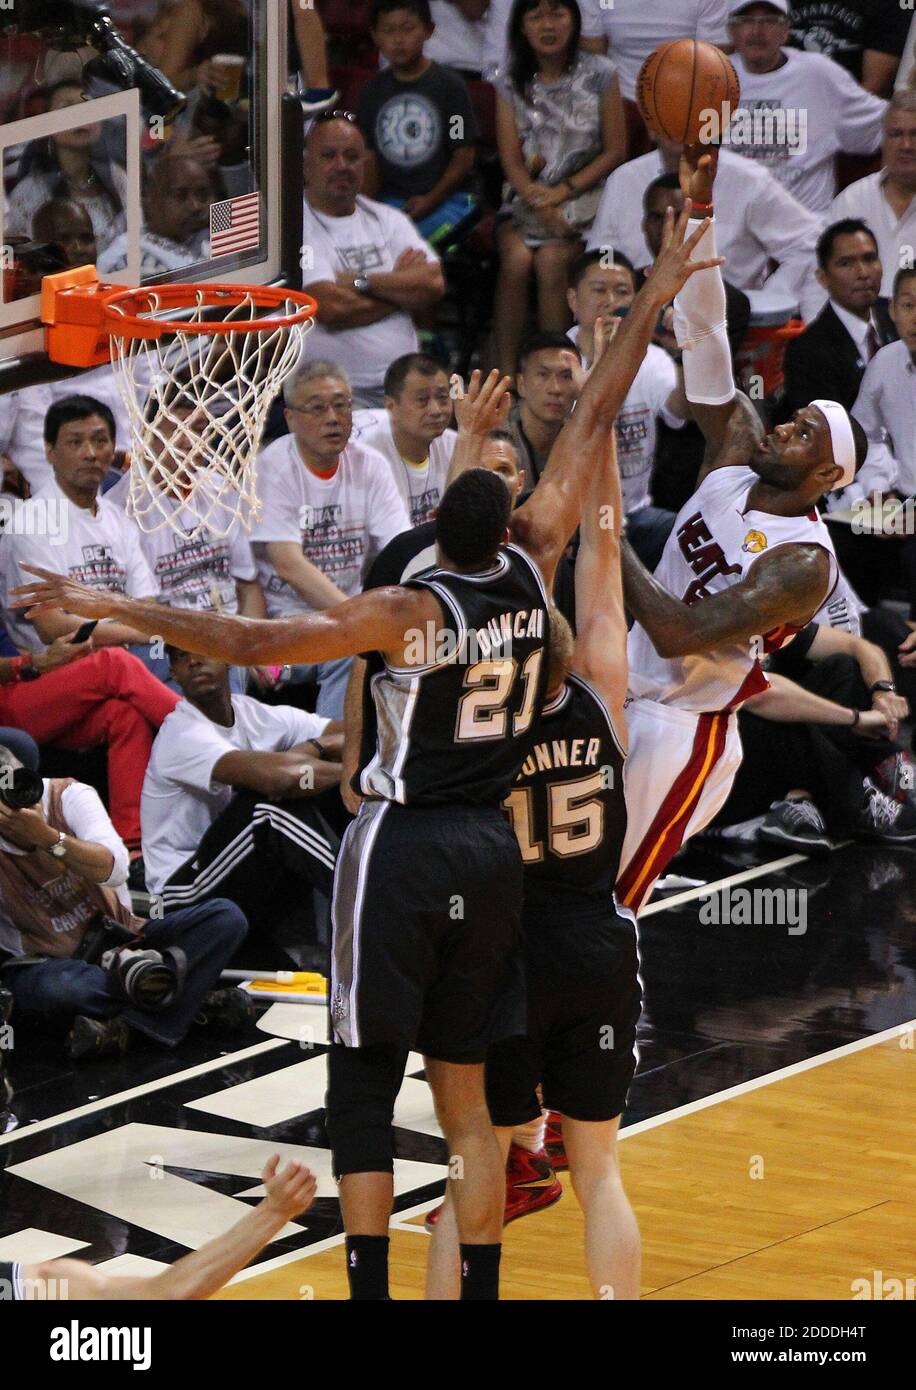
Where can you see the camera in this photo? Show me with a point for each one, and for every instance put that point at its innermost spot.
(20, 787)
(72, 23)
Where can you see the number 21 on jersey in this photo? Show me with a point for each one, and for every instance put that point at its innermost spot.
(482, 712)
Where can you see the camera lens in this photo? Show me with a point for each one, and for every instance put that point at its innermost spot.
(20, 788)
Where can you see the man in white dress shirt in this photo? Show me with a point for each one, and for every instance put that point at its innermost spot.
(412, 431)
(887, 200)
(886, 407)
(797, 111)
(328, 506)
(886, 410)
(757, 221)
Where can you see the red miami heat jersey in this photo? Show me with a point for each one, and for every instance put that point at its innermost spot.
(713, 544)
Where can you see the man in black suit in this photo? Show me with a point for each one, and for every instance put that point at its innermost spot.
(828, 360)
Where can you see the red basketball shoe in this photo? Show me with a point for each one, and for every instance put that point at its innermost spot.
(531, 1185)
(553, 1141)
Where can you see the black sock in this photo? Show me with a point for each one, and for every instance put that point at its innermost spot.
(480, 1271)
(367, 1267)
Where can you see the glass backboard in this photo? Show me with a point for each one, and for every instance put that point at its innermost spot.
(87, 168)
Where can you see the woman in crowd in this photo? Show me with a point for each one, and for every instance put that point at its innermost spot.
(561, 131)
(70, 165)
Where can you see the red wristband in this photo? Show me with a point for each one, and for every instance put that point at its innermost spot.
(16, 665)
(704, 209)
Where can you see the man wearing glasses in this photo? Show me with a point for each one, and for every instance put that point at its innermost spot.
(328, 507)
(365, 263)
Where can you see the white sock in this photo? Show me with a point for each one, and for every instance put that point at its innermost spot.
(531, 1135)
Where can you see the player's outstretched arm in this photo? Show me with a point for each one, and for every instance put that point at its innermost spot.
(702, 331)
(376, 620)
(544, 525)
(600, 652)
(787, 586)
(290, 1192)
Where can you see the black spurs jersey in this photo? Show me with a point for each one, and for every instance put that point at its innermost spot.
(453, 725)
(567, 805)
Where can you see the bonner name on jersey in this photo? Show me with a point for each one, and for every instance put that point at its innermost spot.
(565, 752)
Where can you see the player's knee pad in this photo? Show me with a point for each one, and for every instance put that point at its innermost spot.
(363, 1083)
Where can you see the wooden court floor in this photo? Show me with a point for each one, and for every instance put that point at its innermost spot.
(792, 1187)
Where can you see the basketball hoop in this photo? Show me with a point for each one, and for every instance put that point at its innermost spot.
(198, 367)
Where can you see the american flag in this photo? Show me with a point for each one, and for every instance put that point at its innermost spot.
(235, 225)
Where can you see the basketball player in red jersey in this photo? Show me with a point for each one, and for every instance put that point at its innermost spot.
(748, 563)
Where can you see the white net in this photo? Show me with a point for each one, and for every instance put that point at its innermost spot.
(197, 403)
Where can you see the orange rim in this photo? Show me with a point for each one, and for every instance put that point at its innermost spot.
(123, 310)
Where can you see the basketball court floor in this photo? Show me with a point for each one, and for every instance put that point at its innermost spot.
(769, 1146)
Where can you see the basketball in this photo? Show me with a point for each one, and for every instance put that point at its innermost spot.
(680, 82)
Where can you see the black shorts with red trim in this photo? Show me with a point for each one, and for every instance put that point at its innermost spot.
(584, 1001)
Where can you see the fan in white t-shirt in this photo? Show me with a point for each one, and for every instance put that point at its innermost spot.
(459, 36)
(365, 263)
(634, 28)
(797, 111)
(70, 528)
(327, 507)
(192, 567)
(599, 290)
(228, 798)
(22, 415)
(412, 431)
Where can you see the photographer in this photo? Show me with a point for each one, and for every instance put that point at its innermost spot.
(70, 943)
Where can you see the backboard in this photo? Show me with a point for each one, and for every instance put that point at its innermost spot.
(214, 194)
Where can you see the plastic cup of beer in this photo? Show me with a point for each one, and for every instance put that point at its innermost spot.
(227, 69)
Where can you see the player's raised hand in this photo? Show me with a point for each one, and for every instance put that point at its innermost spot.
(51, 591)
(674, 266)
(697, 172)
(484, 406)
(291, 1191)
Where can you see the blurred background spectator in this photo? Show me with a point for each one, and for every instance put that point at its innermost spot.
(560, 131)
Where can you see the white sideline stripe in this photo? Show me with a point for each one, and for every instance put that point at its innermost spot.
(745, 876)
(108, 1102)
(400, 1218)
(745, 1087)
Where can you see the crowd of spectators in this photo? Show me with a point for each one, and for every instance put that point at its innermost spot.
(504, 137)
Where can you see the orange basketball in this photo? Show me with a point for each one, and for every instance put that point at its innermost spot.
(680, 83)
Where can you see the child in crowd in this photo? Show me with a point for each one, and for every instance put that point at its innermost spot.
(419, 125)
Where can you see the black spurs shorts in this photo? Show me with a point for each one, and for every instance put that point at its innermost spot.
(426, 919)
(584, 1001)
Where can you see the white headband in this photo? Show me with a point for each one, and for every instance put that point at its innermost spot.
(842, 440)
